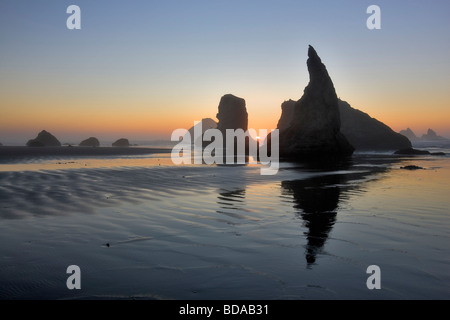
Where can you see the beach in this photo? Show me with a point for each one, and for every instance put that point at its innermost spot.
(218, 155)
(140, 227)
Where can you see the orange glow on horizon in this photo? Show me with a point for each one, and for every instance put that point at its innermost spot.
(144, 119)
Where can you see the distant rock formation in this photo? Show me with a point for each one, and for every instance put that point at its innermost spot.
(409, 134)
(232, 114)
(91, 142)
(1, 144)
(121, 143)
(432, 136)
(367, 133)
(314, 130)
(206, 124)
(44, 139)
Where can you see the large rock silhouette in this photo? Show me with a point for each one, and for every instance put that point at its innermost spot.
(362, 131)
(232, 114)
(44, 139)
(314, 130)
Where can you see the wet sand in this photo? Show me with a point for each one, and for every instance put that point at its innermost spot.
(9, 154)
(149, 230)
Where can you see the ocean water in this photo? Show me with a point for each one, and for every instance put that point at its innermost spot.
(142, 228)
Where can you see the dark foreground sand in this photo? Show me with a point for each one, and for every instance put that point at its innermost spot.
(140, 227)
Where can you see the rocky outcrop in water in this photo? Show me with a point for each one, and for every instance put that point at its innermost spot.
(314, 130)
(44, 139)
(362, 131)
(232, 114)
(90, 142)
(367, 133)
(121, 143)
(318, 122)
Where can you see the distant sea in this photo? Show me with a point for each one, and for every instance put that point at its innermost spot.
(140, 227)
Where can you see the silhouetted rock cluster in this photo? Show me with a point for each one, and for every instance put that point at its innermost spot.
(91, 142)
(44, 139)
(362, 131)
(314, 129)
(319, 124)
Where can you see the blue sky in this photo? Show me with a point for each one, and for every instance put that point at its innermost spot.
(158, 59)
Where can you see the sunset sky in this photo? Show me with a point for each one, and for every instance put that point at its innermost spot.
(140, 69)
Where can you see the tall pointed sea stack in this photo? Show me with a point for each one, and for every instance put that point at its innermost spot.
(315, 127)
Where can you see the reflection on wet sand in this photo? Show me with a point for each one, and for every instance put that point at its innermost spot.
(317, 198)
(317, 201)
(231, 202)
